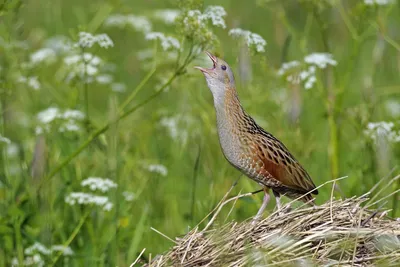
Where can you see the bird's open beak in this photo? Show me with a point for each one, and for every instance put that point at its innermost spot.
(214, 60)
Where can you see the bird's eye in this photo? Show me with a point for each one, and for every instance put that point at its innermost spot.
(223, 67)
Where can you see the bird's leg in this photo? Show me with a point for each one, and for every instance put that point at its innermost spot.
(278, 200)
(264, 204)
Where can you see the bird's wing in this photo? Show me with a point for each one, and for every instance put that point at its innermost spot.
(279, 163)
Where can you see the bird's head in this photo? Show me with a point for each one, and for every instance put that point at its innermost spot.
(219, 78)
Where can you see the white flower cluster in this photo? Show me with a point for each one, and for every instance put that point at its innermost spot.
(167, 42)
(97, 183)
(174, 127)
(33, 254)
(321, 60)
(138, 23)
(378, 2)
(128, 196)
(32, 82)
(393, 107)
(195, 23)
(304, 72)
(382, 129)
(4, 140)
(67, 120)
(86, 66)
(82, 198)
(157, 168)
(252, 39)
(42, 249)
(168, 16)
(87, 40)
(43, 55)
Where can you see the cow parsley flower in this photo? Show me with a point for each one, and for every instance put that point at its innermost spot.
(4, 140)
(88, 40)
(128, 196)
(96, 183)
(43, 55)
(167, 42)
(32, 82)
(81, 198)
(138, 23)
(321, 60)
(382, 129)
(216, 14)
(84, 66)
(168, 16)
(34, 260)
(118, 87)
(252, 39)
(60, 44)
(393, 107)
(67, 121)
(42, 249)
(157, 168)
(378, 2)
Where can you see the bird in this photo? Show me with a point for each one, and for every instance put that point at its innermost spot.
(251, 149)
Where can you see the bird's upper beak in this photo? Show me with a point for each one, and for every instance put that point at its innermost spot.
(214, 60)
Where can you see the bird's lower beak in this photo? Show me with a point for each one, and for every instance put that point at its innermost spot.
(214, 60)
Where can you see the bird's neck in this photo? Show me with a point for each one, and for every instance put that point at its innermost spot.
(230, 114)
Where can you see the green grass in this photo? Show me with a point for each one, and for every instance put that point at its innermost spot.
(124, 133)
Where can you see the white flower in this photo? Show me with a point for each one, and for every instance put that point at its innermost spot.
(118, 87)
(287, 66)
(321, 60)
(32, 82)
(48, 115)
(97, 183)
(4, 140)
(46, 55)
(393, 107)
(216, 14)
(378, 2)
(128, 196)
(139, 23)
(37, 247)
(171, 123)
(382, 129)
(167, 42)
(66, 251)
(88, 40)
(84, 65)
(158, 168)
(252, 39)
(34, 260)
(59, 44)
(168, 16)
(104, 78)
(81, 198)
(67, 120)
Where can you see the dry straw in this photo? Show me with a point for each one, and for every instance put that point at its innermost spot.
(350, 232)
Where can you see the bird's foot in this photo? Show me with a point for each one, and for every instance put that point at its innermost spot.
(283, 210)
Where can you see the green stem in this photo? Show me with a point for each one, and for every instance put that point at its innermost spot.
(18, 241)
(107, 126)
(72, 236)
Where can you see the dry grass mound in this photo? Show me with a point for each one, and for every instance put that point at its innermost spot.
(340, 232)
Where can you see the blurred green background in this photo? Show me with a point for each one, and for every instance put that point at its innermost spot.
(166, 153)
